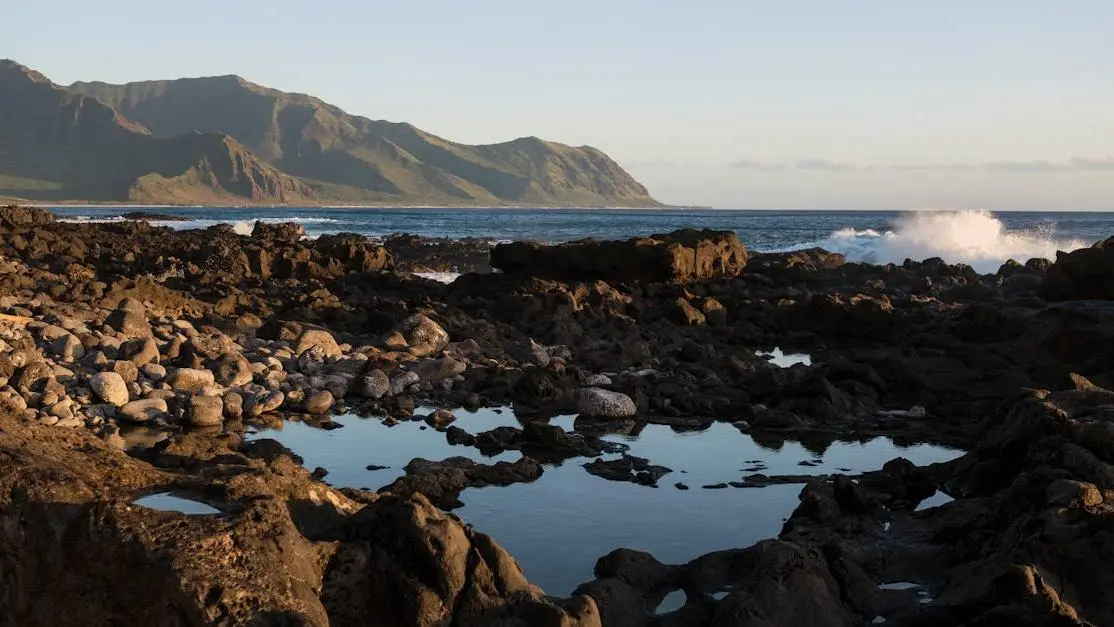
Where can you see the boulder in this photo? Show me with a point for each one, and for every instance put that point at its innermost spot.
(130, 318)
(110, 387)
(685, 255)
(206, 411)
(283, 232)
(68, 348)
(375, 385)
(143, 410)
(232, 369)
(438, 369)
(318, 340)
(319, 402)
(141, 351)
(600, 403)
(419, 335)
(191, 379)
(1087, 273)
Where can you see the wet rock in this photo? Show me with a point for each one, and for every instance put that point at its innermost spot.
(262, 403)
(143, 410)
(110, 387)
(191, 379)
(600, 403)
(443, 481)
(206, 411)
(440, 418)
(233, 405)
(628, 468)
(319, 402)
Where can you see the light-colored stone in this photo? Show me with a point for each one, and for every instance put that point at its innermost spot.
(320, 341)
(154, 372)
(418, 334)
(68, 348)
(110, 387)
(143, 410)
(206, 411)
(262, 403)
(191, 379)
(141, 351)
(233, 405)
(319, 402)
(600, 403)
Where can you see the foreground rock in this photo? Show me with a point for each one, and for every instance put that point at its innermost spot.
(284, 550)
(443, 481)
(685, 255)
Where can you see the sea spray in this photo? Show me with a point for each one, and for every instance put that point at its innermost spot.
(976, 238)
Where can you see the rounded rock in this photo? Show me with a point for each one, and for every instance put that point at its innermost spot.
(110, 387)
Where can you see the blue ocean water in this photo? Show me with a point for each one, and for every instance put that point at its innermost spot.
(982, 239)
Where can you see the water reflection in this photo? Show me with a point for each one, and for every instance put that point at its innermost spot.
(559, 525)
(167, 502)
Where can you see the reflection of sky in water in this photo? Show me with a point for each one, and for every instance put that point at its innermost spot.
(558, 526)
(347, 452)
(167, 502)
(785, 360)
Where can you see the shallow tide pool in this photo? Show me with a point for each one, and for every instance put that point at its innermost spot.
(559, 525)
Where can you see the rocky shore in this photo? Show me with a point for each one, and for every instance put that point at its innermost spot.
(136, 360)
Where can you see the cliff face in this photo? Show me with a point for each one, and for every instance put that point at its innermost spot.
(61, 145)
(348, 157)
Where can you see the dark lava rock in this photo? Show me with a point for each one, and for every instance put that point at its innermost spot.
(443, 481)
(628, 468)
(1082, 274)
(684, 255)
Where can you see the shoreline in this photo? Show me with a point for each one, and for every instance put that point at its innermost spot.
(153, 362)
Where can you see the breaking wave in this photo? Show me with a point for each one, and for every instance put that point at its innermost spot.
(975, 238)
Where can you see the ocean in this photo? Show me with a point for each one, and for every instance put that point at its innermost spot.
(981, 239)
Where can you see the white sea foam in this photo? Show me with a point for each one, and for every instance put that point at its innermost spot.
(440, 277)
(976, 238)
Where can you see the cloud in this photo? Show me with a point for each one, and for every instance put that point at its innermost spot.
(759, 166)
(824, 165)
(1075, 164)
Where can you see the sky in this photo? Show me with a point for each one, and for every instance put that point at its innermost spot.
(843, 104)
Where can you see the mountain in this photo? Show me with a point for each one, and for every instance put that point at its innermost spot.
(355, 159)
(56, 144)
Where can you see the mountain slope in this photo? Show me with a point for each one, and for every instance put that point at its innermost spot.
(59, 145)
(354, 158)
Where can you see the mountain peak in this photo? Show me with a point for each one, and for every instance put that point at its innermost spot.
(288, 146)
(10, 69)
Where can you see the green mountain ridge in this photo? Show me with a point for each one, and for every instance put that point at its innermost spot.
(347, 158)
(60, 145)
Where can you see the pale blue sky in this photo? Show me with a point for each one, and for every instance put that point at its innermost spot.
(732, 103)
